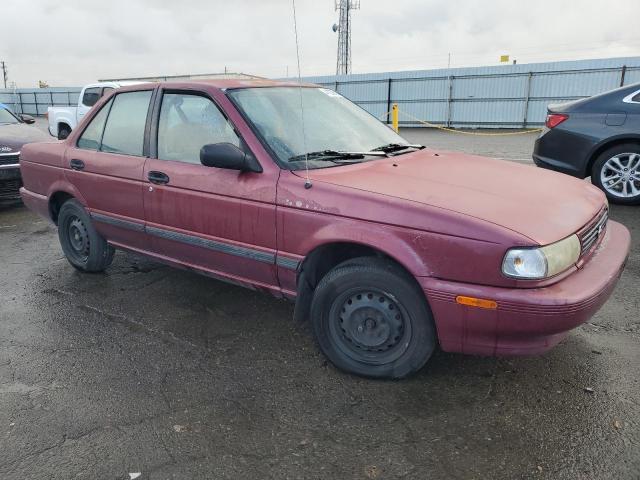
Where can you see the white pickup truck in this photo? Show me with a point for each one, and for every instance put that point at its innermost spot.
(64, 119)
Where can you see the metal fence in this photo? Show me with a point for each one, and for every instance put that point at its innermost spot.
(35, 101)
(502, 96)
(509, 96)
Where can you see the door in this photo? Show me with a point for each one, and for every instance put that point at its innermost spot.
(218, 220)
(106, 166)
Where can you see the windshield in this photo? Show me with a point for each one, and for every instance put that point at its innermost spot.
(7, 117)
(332, 123)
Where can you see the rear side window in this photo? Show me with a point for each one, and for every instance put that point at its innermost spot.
(187, 123)
(124, 132)
(90, 138)
(91, 96)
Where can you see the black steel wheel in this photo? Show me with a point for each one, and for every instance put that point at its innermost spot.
(84, 248)
(370, 318)
(369, 326)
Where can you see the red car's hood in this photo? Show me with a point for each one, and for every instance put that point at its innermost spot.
(542, 205)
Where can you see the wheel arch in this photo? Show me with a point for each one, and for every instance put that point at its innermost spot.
(327, 255)
(606, 145)
(63, 124)
(61, 192)
(324, 257)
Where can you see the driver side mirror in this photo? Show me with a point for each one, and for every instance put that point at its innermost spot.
(227, 155)
(28, 119)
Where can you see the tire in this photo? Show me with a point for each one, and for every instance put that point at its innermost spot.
(621, 164)
(63, 132)
(84, 248)
(370, 318)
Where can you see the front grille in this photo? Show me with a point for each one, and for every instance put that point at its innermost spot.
(9, 159)
(10, 190)
(592, 232)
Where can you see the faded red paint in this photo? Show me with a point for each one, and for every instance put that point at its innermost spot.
(448, 218)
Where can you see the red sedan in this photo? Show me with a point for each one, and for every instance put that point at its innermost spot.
(388, 248)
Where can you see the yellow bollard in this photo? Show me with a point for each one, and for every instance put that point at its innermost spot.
(394, 117)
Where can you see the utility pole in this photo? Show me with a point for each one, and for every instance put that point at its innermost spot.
(343, 63)
(4, 73)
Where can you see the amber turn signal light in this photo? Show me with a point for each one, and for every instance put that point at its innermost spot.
(476, 302)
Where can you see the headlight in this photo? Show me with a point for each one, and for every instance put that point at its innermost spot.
(542, 262)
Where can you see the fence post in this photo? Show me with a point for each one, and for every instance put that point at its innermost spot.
(20, 100)
(526, 101)
(388, 100)
(449, 100)
(622, 75)
(394, 117)
(51, 97)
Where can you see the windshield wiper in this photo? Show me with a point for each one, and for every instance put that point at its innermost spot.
(394, 147)
(333, 155)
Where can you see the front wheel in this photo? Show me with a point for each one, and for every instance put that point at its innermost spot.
(63, 132)
(617, 172)
(371, 319)
(83, 246)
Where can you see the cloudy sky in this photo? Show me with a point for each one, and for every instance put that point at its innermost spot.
(71, 42)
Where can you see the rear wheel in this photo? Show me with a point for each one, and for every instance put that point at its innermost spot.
(369, 318)
(617, 172)
(63, 132)
(83, 246)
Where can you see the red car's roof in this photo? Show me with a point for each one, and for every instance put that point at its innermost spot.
(225, 83)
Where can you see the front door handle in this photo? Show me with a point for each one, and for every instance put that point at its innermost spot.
(76, 164)
(158, 178)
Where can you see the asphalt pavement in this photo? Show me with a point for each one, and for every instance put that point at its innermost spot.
(153, 370)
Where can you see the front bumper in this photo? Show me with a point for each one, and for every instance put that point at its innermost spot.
(527, 321)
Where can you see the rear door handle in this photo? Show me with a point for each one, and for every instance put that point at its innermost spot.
(158, 178)
(76, 164)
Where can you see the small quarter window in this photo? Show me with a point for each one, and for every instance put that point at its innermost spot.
(90, 138)
(124, 132)
(107, 91)
(636, 98)
(91, 96)
(187, 123)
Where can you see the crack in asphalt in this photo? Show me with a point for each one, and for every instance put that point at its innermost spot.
(123, 319)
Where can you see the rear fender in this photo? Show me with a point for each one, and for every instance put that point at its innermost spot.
(64, 186)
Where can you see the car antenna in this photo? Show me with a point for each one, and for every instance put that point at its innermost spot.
(307, 182)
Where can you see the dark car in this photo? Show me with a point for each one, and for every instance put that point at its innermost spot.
(597, 137)
(386, 249)
(14, 133)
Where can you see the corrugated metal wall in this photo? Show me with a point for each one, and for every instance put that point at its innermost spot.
(502, 96)
(34, 101)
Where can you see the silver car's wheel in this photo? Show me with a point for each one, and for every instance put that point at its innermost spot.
(620, 175)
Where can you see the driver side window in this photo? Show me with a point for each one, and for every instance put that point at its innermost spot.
(187, 123)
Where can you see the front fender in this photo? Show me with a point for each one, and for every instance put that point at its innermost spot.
(401, 246)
